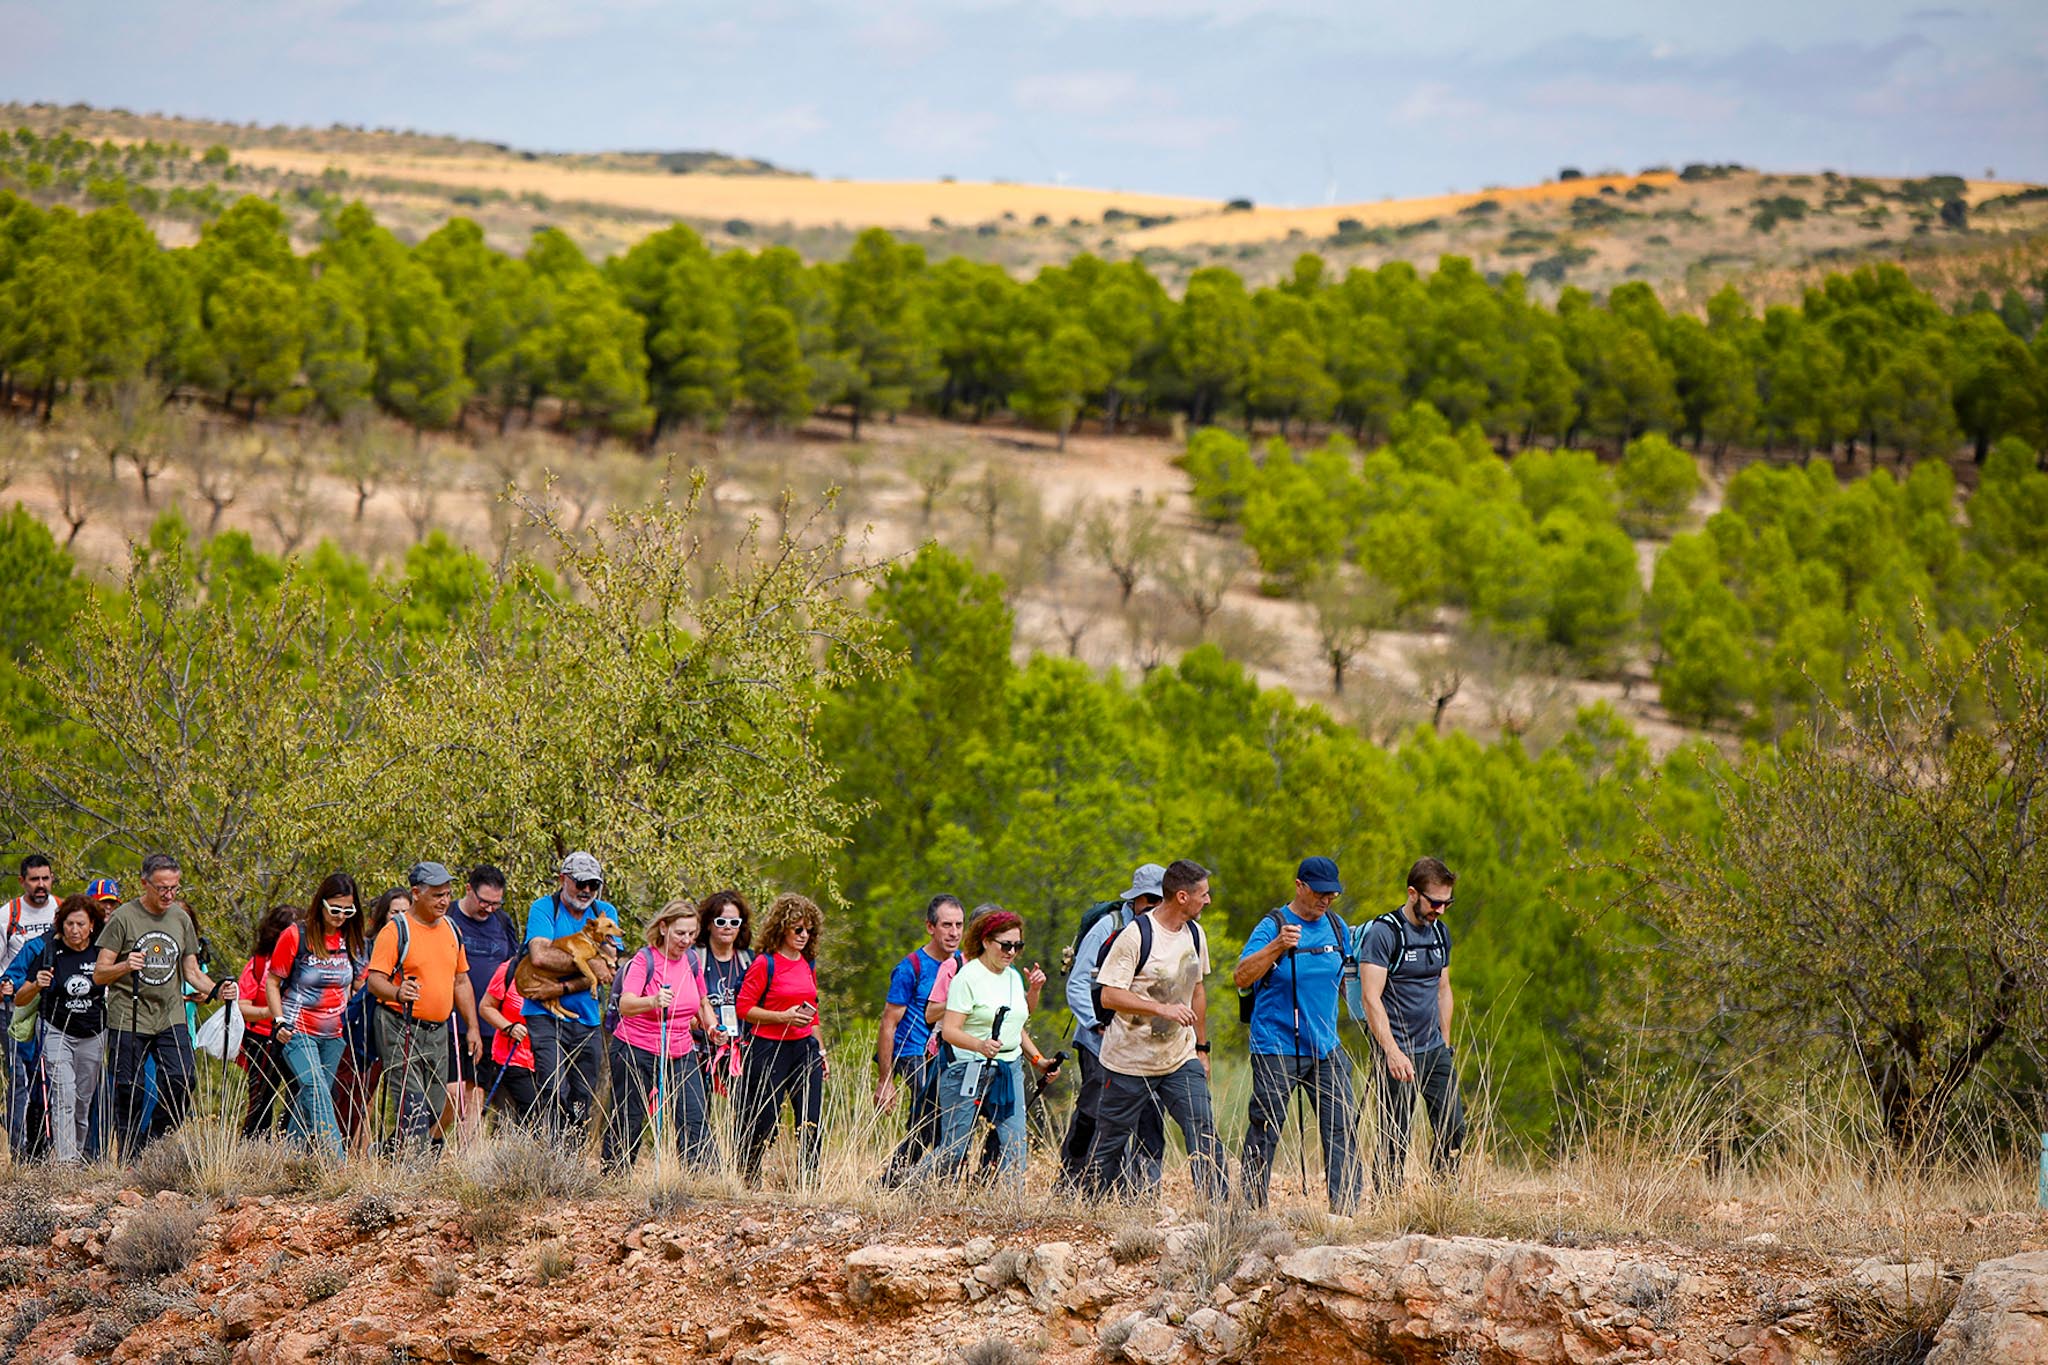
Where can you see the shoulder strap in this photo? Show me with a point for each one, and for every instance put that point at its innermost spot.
(1343, 937)
(1144, 923)
(767, 977)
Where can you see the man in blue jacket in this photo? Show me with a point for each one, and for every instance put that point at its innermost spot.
(1293, 966)
(567, 1053)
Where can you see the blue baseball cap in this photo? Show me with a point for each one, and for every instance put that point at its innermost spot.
(1319, 875)
(103, 889)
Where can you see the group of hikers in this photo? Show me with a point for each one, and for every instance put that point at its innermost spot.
(435, 1002)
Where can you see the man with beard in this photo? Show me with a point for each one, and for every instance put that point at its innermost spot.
(1405, 969)
(567, 1053)
(29, 916)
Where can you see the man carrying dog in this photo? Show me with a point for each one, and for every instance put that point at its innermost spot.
(1293, 968)
(567, 1053)
(1405, 968)
(419, 973)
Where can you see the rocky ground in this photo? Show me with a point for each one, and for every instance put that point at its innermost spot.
(383, 1276)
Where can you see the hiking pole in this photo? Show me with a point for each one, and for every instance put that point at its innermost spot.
(661, 1080)
(1301, 1124)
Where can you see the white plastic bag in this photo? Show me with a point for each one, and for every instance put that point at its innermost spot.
(221, 1035)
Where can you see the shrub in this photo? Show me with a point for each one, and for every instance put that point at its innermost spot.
(156, 1241)
(552, 1262)
(996, 1351)
(325, 1282)
(446, 1282)
(1134, 1244)
(27, 1217)
(373, 1211)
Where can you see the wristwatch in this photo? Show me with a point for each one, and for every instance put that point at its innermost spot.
(1201, 1047)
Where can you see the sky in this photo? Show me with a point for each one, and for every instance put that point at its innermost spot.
(1281, 101)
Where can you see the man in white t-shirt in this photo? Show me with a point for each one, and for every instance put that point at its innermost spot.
(1155, 1049)
(26, 917)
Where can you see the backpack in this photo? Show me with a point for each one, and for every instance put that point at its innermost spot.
(356, 1028)
(1248, 997)
(1088, 920)
(1396, 921)
(1144, 924)
(610, 1019)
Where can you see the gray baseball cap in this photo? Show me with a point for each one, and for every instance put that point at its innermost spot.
(582, 867)
(1148, 880)
(428, 874)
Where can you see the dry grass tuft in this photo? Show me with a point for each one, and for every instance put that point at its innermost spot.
(324, 1282)
(552, 1262)
(156, 1241)
(996, 1351)
(1133, 1245)
(1875, 1329)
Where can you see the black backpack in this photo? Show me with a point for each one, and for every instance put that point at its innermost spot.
(1398, 922)
(1089, 917)
(609, 1021)
(1144, 926)
(1249, 996)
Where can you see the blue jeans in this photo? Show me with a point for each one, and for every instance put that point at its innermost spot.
(957, 1114)
(313, 1062)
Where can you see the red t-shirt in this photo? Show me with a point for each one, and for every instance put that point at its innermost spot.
(251, 990)
(314, 999)
(503, 992)
(795, 984)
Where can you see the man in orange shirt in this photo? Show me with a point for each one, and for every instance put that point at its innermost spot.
(420, 975)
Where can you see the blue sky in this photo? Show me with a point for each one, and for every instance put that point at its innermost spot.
(1286, 101)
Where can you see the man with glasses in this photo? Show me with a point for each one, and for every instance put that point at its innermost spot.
(489, 940)
(146, 945)
(1405, 971)
(567, 1053)
(1292, 968)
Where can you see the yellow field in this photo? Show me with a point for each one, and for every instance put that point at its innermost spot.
(795, 200)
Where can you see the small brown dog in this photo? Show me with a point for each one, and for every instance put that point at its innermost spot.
(585, 946)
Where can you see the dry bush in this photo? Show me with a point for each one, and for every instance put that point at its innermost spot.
(1134, 1244)
(1230, 1231)
(447, 1282)
(210, 1158)
(373, 1211)
(552, 1262)
(324, 1282)
(27, 1217)
(996, 1351)
(155, 1241)
(1874, 1329)
(521, 1169)
(1112, 1338)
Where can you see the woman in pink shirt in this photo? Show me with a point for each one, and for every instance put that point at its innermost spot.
(661, 994)
(779, 999)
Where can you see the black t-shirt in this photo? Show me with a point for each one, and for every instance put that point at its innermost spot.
(72, 1003)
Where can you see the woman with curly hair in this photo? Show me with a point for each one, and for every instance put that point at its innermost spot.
(779, 999)
(985, 1043)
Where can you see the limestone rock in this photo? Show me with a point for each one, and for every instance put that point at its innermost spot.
(1048, 1272)
(1432, 1295)
(894, 1278)
(2000, 1316)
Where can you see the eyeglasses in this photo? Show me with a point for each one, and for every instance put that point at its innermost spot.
(1010, 945)
(728, 921)
(497, 904)
(338, 911)
(803, 929)
(589, 886)
(1434, 903)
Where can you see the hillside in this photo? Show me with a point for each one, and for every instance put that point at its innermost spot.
(1684, 229)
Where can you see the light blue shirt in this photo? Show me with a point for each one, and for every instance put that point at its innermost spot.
(1081, 980)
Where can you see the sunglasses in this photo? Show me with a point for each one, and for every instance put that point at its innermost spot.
(803, 929)
(1434, 903)
(728, 921)
(591, 885)
(1010, 945)
(339, 911)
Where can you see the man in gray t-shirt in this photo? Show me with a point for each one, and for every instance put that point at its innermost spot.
(1404, 962)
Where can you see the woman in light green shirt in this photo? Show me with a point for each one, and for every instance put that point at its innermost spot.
(985, 1043)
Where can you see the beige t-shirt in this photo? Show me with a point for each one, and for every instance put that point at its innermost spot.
(1144, 1045)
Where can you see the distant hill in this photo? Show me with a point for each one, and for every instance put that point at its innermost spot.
(1685, 229)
